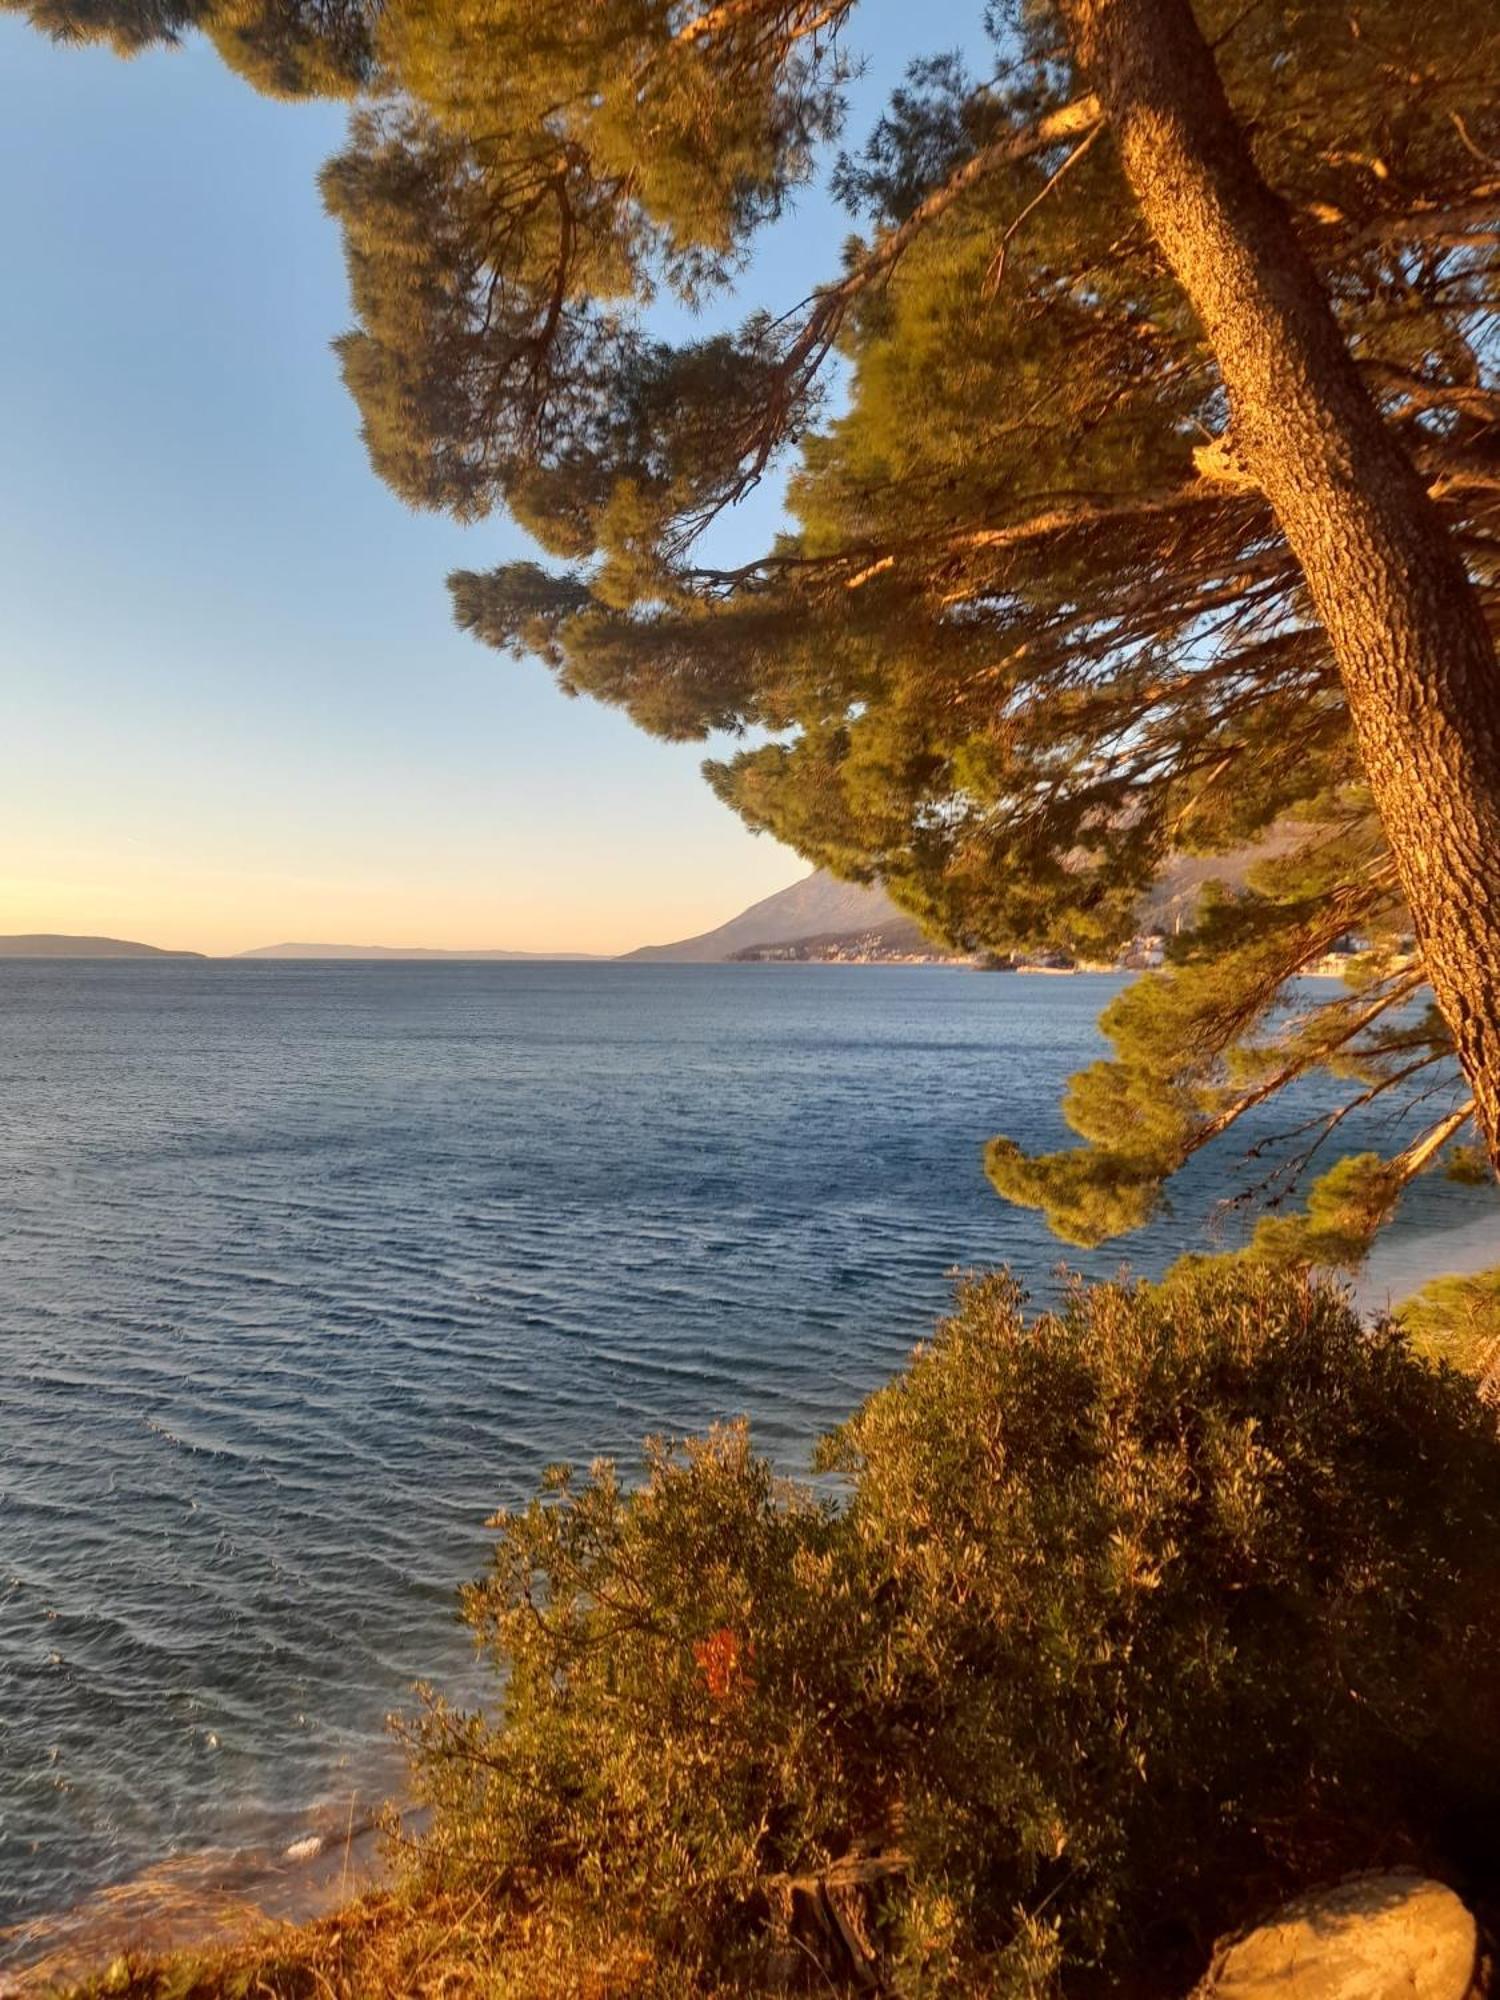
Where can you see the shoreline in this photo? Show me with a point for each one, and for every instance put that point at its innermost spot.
(1400, 1267)
(215, 1895)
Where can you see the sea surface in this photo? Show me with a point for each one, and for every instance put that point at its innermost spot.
(305, 1268)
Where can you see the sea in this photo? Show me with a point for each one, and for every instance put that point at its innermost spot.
(305, 1268)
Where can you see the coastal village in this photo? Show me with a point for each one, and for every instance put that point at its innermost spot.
(1145, 952)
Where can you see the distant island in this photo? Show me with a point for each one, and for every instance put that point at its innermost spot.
(51, 944)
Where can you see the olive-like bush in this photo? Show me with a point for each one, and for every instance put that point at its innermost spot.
(1117, 1621)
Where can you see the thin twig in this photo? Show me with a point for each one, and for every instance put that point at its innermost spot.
(996, 271)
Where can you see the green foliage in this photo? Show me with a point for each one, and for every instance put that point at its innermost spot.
(1018, 653)
(1457, 1321)
(1345, 1207)
(532, 175)
(1162, 1600)
(658, 1773)
(286, 48)
(1025, 644)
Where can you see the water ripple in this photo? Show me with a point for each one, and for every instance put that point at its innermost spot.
(304, 1270)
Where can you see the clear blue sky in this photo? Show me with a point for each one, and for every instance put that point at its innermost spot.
(235, 710)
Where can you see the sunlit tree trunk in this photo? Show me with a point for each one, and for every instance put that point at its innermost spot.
(1417, 662)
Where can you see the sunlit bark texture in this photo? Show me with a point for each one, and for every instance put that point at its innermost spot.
(1406, 629)
(1139, 485)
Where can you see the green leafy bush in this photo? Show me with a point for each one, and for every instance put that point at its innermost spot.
(1127, 1616)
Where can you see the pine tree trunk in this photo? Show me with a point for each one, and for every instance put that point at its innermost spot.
(1417, 662)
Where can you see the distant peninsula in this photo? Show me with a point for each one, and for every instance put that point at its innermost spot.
(51, 944)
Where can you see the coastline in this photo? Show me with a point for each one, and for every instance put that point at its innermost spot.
(214, 1896)
(336, 1852)
(1402, 1265)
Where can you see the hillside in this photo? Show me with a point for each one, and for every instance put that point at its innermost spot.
(820, 916)
(894, 943)
(1175, 893)
(51, 944)
(819, 906)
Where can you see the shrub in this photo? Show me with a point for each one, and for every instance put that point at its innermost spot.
(1128, 1616)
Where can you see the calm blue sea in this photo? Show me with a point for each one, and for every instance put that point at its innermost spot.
(306, 1268)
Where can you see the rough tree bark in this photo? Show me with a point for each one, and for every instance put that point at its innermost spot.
(1417, 661)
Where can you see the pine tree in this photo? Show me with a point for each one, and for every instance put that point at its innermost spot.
(1150, 514)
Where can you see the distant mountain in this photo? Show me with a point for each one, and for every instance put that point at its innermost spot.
(1174, 894)
(48, 944)
(821, 917)
(819, 906)
(398, 951)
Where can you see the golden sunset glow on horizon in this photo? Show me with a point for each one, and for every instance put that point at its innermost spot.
(441, 901)
(217, 908)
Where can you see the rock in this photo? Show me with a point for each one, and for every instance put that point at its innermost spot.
(1373, 1937)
